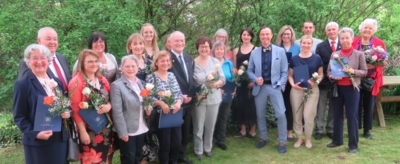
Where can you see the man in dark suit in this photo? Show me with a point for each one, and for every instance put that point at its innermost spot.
(183, 68)
(325, 50)
(47, 36)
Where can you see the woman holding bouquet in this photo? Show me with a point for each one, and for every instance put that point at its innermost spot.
(219, 52)
(44, 146)
(94, 148)
(305, 108)
(367, 98)
(128, 112)
(169, 138)
(208, 73)
(244, 110)
(348, 93)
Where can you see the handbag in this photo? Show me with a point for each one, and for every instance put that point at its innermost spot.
(367, 84)
(73, 150)
(333, 90)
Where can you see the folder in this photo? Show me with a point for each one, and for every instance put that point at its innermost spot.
(43, 119)
(95, 121)
(170, 120)
(337, 69)
(302, 75)
(228, 88)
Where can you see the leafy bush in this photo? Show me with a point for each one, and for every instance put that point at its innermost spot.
(10, 133)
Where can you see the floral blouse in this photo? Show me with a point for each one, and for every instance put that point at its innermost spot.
(163, 85)
(142, 73)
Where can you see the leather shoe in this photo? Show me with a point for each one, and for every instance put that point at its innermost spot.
(332, 145)
(209, 154)
(290, 138)
(199, 156)
(222, 146)
(183, 159)
(368, 135)
(330, 135)
(318, 136)
(261, 144)
(353, 151)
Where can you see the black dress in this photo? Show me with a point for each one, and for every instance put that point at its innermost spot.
(245, 110)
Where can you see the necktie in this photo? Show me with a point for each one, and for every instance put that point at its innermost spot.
(59, 73)
(333, 46)
(182, 65)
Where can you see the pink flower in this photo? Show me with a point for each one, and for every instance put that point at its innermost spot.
(240, 72)
(52, 83)
(315, 75)
(245, 62)
(168, 93)
(368, 51)
(374, 57)
(210, 77)
(105, 66)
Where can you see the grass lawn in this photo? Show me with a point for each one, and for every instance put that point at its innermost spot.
(384, 148)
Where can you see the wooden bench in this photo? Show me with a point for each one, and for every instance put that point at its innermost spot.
(388, 83)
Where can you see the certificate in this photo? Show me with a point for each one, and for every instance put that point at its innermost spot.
(43, 120)
(337, 69)
(228, 88)
(302, 75)
(96, 121)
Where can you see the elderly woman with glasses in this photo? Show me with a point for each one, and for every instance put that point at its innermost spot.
(367, 98)
(206, 111)
(128, 112)
(222, 35)
(286, 39)
(39, 146)
(348, 95)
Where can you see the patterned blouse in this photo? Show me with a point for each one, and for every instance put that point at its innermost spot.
(142, 73)
(163, 85)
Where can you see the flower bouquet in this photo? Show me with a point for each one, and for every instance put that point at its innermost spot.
(147, 102)
(59, 103)
(308, 91)
(345, 65)
(376, 56)
(205, 88)
(244, 67)
(96, 99)
(167, 97)
(237, 74)
(104, 70)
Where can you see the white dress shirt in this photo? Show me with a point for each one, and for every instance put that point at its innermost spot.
(183, 60)
(142, 125)
(53, 69)
(336, 42)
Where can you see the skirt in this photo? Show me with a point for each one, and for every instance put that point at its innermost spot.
(99, 148)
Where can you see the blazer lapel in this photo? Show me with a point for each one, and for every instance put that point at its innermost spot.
(36, 83)
(259, 58)
(64, 66)
(339, 46)
(48, 71)
(175, 63)
(328, 47)
(128, 84)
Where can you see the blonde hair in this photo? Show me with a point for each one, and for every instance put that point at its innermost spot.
(279, 41)
(222, 31)
(159, 55)
(307, 37)
(82, 56)
(165, 41)
(154, 42)
(135, 36)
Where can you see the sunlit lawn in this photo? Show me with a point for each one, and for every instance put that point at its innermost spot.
(384, 148)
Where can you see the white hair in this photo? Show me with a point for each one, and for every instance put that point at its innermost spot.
(40, 32)
(347, 29)
(369, 21)
(42, 49)
(216, 44)
(176, 32)
(129, 57)
(330, 24)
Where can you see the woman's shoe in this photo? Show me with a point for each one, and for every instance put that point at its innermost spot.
(209, 154)
(240, 134)
(250, 136)
(309, 146)
(297, 145)
(200, 156)
(290, 138)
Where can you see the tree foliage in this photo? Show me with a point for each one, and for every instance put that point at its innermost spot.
(75, 20)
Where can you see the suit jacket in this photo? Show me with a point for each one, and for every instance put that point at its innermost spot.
(126, 106)
(324, 50)
(23, 68)
(180, 76)
(26, 91)
(279, 68)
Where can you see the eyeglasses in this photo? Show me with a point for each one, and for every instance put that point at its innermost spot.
(220, 37)
(93, 61)
(42, 59)
(204, 47)
(99, 42)
(286, 34)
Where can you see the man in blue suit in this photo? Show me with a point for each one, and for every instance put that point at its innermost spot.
(268, 69)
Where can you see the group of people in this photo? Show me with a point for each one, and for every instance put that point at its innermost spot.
(270, 76)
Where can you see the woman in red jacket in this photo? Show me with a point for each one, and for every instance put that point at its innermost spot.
(367, 99)
(94, 148)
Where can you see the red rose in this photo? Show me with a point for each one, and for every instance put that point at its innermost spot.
(48, 100)
(98, 139)
(234, 70)
(144, 92)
